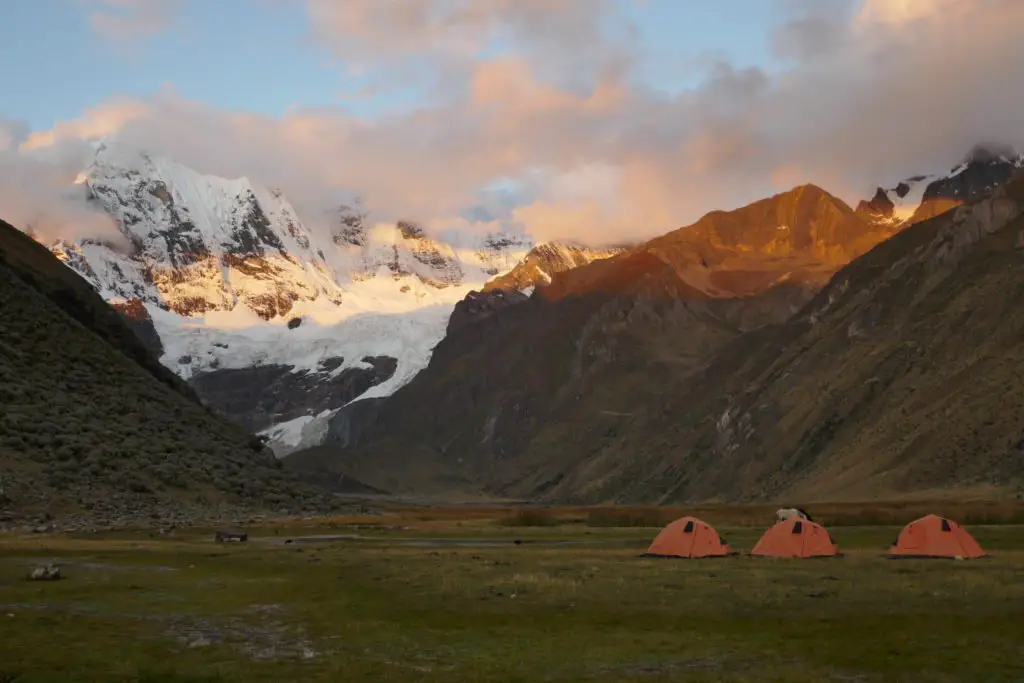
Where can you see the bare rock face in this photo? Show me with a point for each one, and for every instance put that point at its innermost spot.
(138, 319)
(983, 169)
(258, 397)
(348, 426)
(479, 305)
(880, 208)
(922, 197)
(545, 261)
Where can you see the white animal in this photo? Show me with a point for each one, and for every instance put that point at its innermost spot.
(782, 514)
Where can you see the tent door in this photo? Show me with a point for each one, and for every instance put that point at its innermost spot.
(689, 538)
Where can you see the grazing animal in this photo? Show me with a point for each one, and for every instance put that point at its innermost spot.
(782, 514)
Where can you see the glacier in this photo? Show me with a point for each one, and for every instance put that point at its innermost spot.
(232, 277)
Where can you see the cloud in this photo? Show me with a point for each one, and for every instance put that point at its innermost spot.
(571, 38)
(95, 122)
(903, 12)
(12, 133)
(131, 20)
(545, 98)
(38, 194)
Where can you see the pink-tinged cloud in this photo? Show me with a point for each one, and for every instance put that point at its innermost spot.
(95, 122)
(600, 157)
(38, 194)
(12, 134)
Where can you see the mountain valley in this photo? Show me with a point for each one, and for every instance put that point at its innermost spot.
(737, 359)
(552, 371)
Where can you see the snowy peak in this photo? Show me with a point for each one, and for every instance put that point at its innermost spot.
(244, 299)
(982, 169)
(500, 252)
(546, 260)
(199, 243)
(896, 205)
(405, 250)
(348, 226)
(992, 153)
(177, 216)
(202, 243)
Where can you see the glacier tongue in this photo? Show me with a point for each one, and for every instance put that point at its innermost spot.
(367, 323)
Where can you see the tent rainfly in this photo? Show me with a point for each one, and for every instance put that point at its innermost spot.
(690, 538)
(795, 537)
(935, 537)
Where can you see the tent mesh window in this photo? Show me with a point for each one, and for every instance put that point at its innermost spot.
(798, 528)
(945, 525)
(688, 529)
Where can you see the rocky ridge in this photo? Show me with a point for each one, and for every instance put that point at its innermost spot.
(510, 365)
(920, 197)
(680, 370)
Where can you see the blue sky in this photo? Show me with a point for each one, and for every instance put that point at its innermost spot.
(237, 54)
(255, 55)
(568, 126)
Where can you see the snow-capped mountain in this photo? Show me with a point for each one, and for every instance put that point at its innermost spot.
(274, 323)
(546, 260)
(198, 243)
(920, 197)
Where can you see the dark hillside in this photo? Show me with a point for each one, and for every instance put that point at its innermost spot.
(92, 425)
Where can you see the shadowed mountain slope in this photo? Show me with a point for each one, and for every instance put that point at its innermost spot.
(531, 396)
(679, 372)
(92, 425)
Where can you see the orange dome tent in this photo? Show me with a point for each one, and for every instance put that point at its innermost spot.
(934, 536)
(795, 537)
(687, 537)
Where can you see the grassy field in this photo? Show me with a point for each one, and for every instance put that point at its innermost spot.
(444, 595)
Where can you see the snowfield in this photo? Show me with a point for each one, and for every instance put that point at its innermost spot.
(368, 323)
(224, 265)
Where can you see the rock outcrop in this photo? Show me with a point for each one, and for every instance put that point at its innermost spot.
(259, 397)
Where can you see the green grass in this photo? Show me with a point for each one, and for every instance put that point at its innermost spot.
(185, 609)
